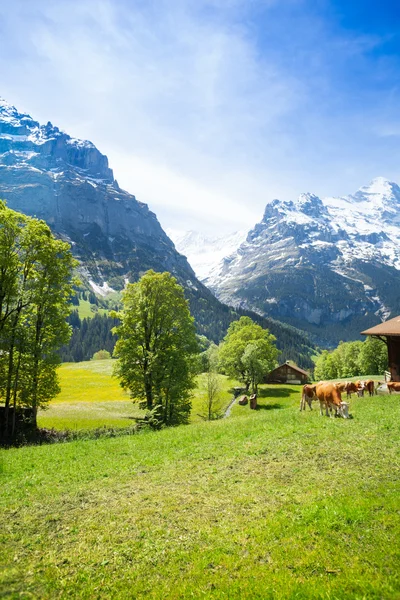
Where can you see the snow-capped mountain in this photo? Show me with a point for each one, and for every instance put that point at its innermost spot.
(330, 264)
(204, 253)
(67, 182)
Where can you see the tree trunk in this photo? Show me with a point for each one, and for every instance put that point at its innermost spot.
(36, 361)
(148, 388)
(10, 374)
(15, 390)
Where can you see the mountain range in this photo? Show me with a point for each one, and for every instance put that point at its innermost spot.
(330, 266)
(46, 173)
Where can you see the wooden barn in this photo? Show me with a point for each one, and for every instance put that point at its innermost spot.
(288, 373)
(389, 332)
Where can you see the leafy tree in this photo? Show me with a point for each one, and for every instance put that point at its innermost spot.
(212, 398)
(101, 355)
(35, 290)
(248, 352)
(258, 360)
(373, 357)
(157, 345)
(352, 359)
(322, 366)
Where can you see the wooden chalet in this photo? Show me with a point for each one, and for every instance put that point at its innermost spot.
(288, 373)
(389, 332)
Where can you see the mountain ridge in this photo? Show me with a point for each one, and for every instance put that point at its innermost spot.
(331, 263)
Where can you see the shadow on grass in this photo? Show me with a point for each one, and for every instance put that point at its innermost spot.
(269, 406)
(271, 392)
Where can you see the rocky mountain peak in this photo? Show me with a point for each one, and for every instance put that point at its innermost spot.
(67, 182)
(310, 205)
(379, 193)
(47, 147)
(329, 263)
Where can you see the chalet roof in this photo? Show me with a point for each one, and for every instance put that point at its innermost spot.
(391, 327)
(291, 367)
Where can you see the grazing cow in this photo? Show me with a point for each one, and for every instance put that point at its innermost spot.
(329, 396)
(370, 387)
(307, 395)
(360, 388)
(340, 386)
(393, 386)
(350, 387)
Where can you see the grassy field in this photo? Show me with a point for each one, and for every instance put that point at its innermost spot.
(266, 504)
(90, 398)
(85, 309)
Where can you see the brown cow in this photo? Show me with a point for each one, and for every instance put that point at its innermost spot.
(350, 387)
(329, 396)
(393, 386)
(307, 396)
(360, 387)
(340, 386)
(370, 387)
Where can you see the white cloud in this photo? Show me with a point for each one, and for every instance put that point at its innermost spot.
(181, 202)
(204, 113)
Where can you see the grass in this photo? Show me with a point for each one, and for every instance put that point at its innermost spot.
(267, 504)
(199, 400)
(91, 398)
(85, 309)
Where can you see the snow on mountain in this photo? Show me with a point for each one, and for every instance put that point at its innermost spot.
(204, 253)
(325, 261)
(67, 182)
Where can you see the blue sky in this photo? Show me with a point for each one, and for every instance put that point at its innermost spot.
(208, 109)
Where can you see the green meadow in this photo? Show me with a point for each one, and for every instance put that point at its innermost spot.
(265, 504)
(87, 310)
(91, 398)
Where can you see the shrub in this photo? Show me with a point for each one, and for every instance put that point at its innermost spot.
(101, 355)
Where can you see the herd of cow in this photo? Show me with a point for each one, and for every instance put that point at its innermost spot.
(330, 394)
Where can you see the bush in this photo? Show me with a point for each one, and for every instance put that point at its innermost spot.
(101, 355)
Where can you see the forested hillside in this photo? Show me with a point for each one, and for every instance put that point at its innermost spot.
(92, 334)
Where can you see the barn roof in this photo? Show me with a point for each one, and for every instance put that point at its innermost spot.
(391, 327)
(291, 367)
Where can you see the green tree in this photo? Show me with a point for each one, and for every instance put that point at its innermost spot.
(325, 367)
(248, 352)
(101, 355)
(352, 359)
(157, 346)
(258, 361)
(373, 357)
(46, 320)
(212, 408)
(35, 289)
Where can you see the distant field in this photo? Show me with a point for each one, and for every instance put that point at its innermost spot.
(91, 398)
(85, 309)
(271, 504)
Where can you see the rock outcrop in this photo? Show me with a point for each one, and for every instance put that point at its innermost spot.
(68, 183)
